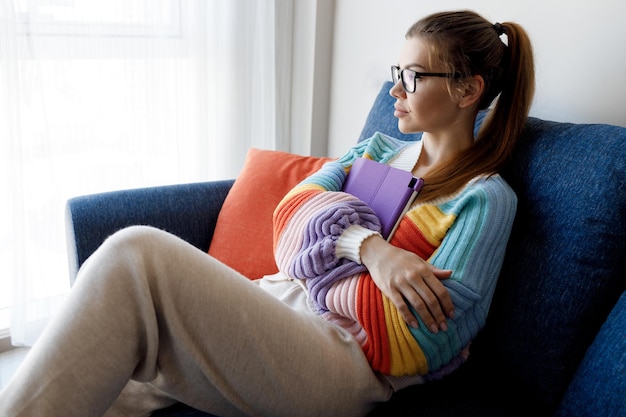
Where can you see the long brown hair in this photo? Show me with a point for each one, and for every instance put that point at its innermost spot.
(470, 45)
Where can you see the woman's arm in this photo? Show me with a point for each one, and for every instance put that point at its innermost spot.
(406, 279)
(466, 235)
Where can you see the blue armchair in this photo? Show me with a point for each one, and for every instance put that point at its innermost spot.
(555, 339)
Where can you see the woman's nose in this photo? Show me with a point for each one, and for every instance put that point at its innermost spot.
(397, 90)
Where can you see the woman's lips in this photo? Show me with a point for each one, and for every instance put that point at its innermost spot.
(399, 111)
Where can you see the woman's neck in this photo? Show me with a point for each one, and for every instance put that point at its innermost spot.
(440, 148)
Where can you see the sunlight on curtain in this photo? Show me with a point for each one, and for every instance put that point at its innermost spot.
(99, 95)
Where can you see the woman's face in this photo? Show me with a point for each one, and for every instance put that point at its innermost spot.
(430, 108)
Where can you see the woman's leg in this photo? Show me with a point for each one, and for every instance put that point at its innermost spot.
(150, 307)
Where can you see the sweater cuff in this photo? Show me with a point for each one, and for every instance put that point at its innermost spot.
(348, 244)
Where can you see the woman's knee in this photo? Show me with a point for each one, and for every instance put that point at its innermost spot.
(135, 241)
(126, 248)
(133, 235)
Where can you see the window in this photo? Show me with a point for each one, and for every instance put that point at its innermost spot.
(99, 18)
(77, 91)
(96, 96)
(99, 96)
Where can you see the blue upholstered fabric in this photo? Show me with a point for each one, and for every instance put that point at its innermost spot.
(186, 210)
(599, 386)
(565, 264)
(563, 274)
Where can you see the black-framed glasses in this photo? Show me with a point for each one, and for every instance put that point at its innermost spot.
(409, 77)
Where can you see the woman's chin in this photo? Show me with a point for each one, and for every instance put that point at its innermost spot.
(405, 129)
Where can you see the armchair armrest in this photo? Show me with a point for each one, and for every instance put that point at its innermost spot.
(599, 386)
(188, 210)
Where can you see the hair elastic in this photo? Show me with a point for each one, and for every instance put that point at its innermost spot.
(498, 28)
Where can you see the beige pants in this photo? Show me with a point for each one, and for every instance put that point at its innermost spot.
(149, 307)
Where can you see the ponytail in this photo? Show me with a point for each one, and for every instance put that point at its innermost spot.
(505, 122)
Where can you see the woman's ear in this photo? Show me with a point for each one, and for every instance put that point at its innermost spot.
(472, 91)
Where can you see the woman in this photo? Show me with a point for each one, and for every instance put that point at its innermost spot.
(350, 317)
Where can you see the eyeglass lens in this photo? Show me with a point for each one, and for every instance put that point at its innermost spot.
(408, 78)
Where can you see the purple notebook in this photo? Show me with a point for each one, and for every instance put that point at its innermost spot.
(386, 190)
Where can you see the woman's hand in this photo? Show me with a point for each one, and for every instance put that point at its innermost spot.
(405, 278)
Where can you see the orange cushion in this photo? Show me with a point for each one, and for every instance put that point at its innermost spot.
(243, 233)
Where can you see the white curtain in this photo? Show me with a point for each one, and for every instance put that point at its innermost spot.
(99, 95)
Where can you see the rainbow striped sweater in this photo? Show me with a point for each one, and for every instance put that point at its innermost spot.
(466, 233)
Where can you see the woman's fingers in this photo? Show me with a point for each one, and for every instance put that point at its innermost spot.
(409, 281)
(403, 308)
(430, 300)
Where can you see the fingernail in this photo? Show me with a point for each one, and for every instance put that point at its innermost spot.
(414, 324)
(451, 314)
(434, 328)
(444, 326)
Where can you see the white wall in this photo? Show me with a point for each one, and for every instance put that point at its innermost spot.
(580, 56)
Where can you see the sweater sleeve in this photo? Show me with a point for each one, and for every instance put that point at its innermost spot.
(310, 219)
(469, 235)
(349, 243)
(474, 248)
